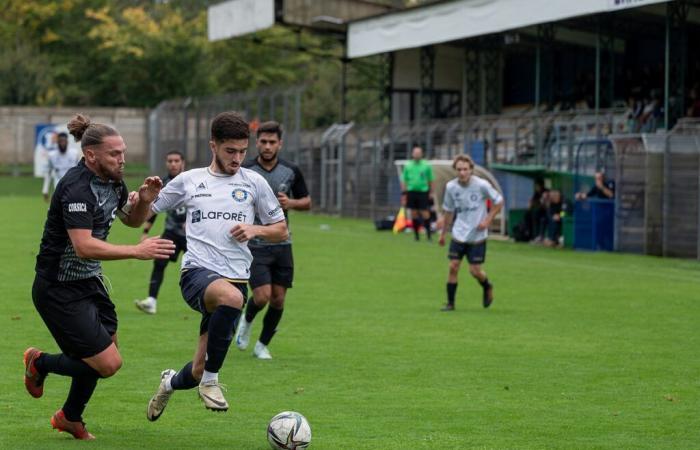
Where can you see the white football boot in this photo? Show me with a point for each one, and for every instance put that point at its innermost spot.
(261, 352)
(243, 333)
(159, 401)
(147, 305)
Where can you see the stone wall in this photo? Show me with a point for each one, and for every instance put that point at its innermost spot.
(17, 129)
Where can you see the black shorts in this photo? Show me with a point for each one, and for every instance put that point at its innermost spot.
(79, 314)
(417, 200)
(474, 251)
(272, 264)
(179, 240)
(193, 283)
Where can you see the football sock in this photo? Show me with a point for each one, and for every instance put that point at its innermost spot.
(417, 222)
(451, 291)
(221, 326)
(64, 365)
(270, 321)
(484, 284)
(184, 378)
(81, 390)
(428, 232)
(157, 277)
(209, 376)
(252, 310)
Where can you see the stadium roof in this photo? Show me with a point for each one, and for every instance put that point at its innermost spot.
(459, 19)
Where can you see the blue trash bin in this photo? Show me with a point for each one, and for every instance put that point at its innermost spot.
(594, 224)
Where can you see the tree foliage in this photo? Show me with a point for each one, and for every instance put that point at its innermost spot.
(139, 53)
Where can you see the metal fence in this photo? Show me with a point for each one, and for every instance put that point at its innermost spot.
(184, 124)
(658, 192)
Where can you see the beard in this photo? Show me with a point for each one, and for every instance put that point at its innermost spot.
(111, 174)
(222, 167)
(268, 158)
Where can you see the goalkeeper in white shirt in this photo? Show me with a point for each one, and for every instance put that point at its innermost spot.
(465, 209)
(222, 201)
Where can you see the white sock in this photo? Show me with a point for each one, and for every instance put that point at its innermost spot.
(151, 300)
(209, 376)
(168, 386)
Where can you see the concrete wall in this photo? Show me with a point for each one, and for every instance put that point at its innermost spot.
(17, 128)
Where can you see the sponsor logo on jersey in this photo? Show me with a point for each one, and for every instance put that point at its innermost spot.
(198, 215)
(201, 186)
(201, 195)
(474, 197)
(240, 195)
(274, 211)
(77, 207)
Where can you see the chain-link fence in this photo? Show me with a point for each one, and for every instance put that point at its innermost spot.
(658, 192)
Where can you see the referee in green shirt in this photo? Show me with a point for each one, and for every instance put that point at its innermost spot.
(416, 189)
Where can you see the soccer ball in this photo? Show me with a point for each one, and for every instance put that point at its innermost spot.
(289, 430)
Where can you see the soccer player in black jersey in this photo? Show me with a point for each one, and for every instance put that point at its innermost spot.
(272, 271)
(69, 292)
(174, 230)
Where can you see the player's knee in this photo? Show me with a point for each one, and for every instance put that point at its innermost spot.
(230, 299)
(475, 271)
(454, 266)
(277, 302)
(110, 367)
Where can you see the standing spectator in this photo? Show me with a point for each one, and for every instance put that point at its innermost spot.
(603, 189)
(60, 160)
(416, 188)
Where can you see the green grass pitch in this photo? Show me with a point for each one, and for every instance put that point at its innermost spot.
(579, 350)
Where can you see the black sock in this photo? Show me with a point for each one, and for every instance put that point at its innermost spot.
(451, 291)
(417, 222)
(157, 277)
(270, 322)
(221, 326)
(184, 378)
(428, 232)
(64, 365)
(81, 390)
(484, 284)
(252, 310)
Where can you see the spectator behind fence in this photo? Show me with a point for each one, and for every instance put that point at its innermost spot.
(694, 103)
(603, 189)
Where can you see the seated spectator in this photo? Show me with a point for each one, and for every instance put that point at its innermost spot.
(603, 189)
(694, 104)
(633, 114)
(536, 216)
(556, 210)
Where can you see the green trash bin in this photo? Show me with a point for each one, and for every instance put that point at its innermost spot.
(515, 216)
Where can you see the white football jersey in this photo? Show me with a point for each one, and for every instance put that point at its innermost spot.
(59, 163)
(215, 204)
(468, 203)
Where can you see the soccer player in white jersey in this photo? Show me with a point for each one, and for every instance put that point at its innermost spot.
(221, 200)
(60, 160)
(465, 209)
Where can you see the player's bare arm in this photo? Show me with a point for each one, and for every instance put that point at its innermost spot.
(489, 217)
(276, 232)
(141, 207)
(447, 223)
(88, 247)
(297, 204)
